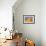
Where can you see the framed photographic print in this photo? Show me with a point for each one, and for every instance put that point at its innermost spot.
(28, 19)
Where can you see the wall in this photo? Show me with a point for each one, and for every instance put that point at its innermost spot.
(6, 13)
(43, 22)
(30, 31)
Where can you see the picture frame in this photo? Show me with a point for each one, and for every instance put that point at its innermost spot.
(28, 19)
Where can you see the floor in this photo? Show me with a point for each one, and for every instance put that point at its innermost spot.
(9, 43)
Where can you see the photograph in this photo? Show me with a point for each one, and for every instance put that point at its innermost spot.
(29, 19)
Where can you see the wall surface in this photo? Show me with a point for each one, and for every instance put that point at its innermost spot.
(43, 22)
(6, 13)
(30, 31)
